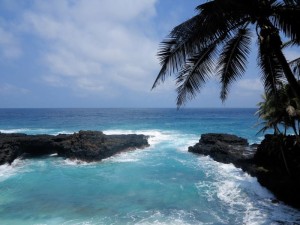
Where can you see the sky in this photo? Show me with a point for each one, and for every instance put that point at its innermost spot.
(98, 53)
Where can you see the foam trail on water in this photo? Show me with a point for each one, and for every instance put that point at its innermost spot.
(125, 157)
(155, 136)
(76, 162)
(240, 192)
(7, 171)
(35, 131)
(19, 130)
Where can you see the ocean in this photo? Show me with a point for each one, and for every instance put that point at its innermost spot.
(161, 184)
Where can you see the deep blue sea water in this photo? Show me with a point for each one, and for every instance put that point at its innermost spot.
(162, 184)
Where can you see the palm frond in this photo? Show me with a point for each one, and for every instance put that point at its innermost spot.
(184, 41)
(194, 74)
(295, 65)
(190, 37)
(290, 43)
(265, 127)
(287, 19)
(290, 2)
(233, 10)
(233, 59)
(291, 111)
(271, 69)
(172, 51)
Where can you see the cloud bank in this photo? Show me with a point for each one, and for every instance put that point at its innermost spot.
(96, 46)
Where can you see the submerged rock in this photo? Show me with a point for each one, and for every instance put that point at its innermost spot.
(84, 145)
(264, 161)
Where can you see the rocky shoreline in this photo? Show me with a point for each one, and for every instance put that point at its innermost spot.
(258, 161)
(85, 145)
(262, 161)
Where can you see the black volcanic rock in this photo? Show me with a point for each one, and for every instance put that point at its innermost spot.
(263, 161)
(278, 157)
(84, 145)
(225, 148)
(94, 146)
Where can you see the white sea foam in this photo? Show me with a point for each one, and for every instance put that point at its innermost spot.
(125, 157)
(20, 130)
(242, 194)
(62, 132)
(76, 162)
(173, 139)
(176, 217)
(184, 141)
(7, 171)
(155, 136)
(35, 131)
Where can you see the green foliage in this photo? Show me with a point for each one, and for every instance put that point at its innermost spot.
(281, 153)
(280, 108)
(216, 42)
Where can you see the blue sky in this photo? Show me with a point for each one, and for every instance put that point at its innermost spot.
(98, 53)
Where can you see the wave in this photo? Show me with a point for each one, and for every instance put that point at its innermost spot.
(35, 131)
(158, 136)
(125, 157)
(155, 136)
(147, 217)
(17, 166)
(76, 162)
(241, 194)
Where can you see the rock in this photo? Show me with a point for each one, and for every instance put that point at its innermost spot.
(94, 146)
(223, 148)
(264, 161)
(213, 138)
(84, 145)
(279, 156)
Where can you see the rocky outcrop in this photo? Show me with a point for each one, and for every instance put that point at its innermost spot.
(84, 145)
(225, 148)
(278, 158)
(264, 161)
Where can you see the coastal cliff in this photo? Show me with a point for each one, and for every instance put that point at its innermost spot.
(280, 173)
(84, 145)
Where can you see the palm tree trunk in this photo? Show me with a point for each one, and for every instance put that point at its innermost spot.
(295, 129)
(285, 129)
(288, 72)
(284, 160)
(276, 46)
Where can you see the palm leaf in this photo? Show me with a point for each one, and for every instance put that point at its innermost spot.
(194, 74)
(271, 69)
(290, 2)
(171, 56)
(290, 43)
(287, 19)
(190, 37)
(182, 43)
(295, 65)
(233, 59)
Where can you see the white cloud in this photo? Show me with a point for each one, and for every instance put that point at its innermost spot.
(250, 85)
(95, 43)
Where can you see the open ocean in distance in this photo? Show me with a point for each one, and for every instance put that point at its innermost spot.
(162, 184)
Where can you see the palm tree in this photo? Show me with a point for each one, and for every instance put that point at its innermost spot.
(217, 41)
(271, 113)
(280, 108)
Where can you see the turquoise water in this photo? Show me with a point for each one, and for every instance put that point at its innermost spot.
(162, 184)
